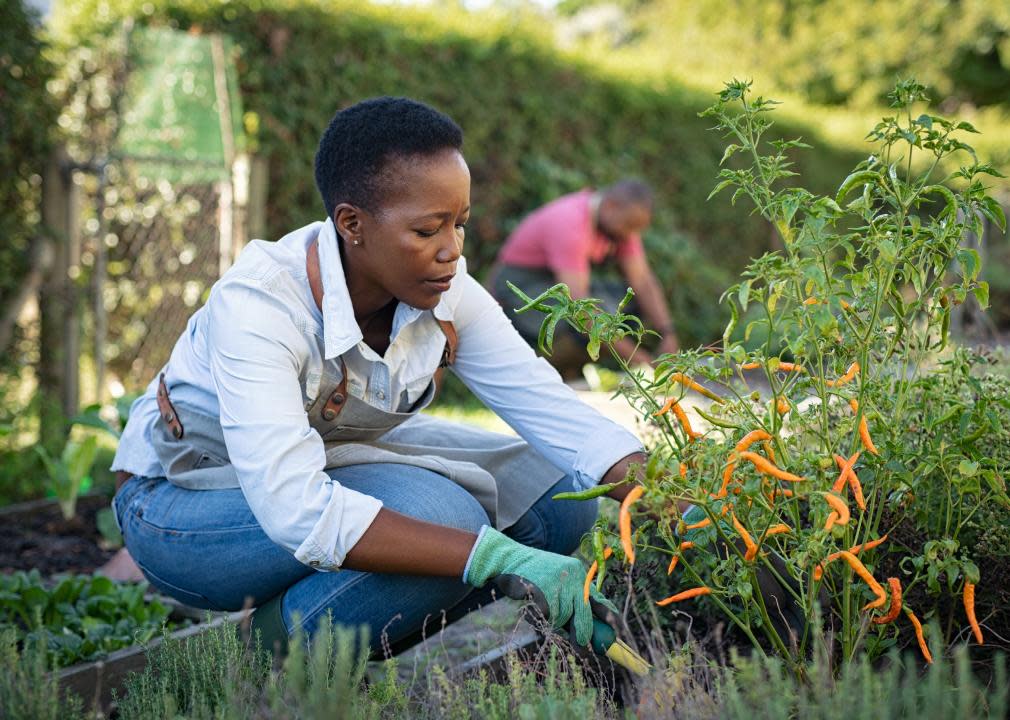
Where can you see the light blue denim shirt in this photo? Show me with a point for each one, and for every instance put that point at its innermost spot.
(254, 355)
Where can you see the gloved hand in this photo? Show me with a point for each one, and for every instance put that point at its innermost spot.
(555, 582)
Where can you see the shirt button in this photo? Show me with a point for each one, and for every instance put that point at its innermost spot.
(313, 563)
(381, 395)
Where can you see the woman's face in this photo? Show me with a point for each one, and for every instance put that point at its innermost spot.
(407, 249)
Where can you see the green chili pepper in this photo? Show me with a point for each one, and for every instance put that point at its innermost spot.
(716, 421)
(975, 435)
(861, 177)
(537, 302)
(944, 328)
(728, 332)
(593, 492)
(600, 555)
(948, 417)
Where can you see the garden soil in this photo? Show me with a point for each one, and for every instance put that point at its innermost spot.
(40, 538)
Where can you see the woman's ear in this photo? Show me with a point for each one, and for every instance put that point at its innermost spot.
(347, 221)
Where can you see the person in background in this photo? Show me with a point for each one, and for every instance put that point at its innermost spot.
(564, 241)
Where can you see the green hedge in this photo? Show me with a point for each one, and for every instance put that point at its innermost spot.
(537, 123)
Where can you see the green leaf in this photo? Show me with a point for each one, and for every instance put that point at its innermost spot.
(994, 211)
(728, 152)
(79, 457)
(90, 418)
(951, 200)
(105, 521)
(969, 261)
(888, 250)
(743, 295)
(719, 188)
(101, 585)
(982, 294)
(967, 468)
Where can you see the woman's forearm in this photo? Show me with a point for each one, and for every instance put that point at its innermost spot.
(402, 545)
(619, 471)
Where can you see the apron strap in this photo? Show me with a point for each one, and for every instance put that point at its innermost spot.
(167, 410)
(451, 340)
(335, 402)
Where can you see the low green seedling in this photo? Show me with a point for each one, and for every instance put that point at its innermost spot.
(81, 618)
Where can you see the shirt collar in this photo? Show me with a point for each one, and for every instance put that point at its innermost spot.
(340, 331)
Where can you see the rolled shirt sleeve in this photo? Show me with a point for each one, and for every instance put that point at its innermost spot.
(526, 392)
(256, 356)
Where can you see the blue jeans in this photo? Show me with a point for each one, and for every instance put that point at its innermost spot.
(206, 549)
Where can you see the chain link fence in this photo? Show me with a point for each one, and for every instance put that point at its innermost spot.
(154, 239)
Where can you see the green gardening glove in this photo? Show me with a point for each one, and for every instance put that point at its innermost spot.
(554, 582)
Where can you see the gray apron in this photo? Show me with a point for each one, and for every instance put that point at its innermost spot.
(503, 473)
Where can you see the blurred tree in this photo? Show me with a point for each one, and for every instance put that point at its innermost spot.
(830, 51)
(26, 127)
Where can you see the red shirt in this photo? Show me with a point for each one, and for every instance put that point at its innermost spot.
(561, 236)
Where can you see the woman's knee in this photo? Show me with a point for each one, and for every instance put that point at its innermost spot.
(420, 493)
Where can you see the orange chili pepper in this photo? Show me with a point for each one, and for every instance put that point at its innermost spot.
(919, 636)
(687, 545)
(782, 405)
(727, 476)
(770, 449)
(684, 422)
(840, 507)
(752, 547)
(783, 367)
(855, 550)
(790, 367)
(845, 305)
(607, 552)
(849, 474)
(895, 609)
(846, 467)
(685, 595)
(847, 377)
(864, 429)
(766, 466)
(811, 301)
(775, 492)
(698, 525)
(683, 471)
(750, 438)
(688, 382)
(969, 608)
(666, 407)
(860, 570)
(778, 530)
(624, 521)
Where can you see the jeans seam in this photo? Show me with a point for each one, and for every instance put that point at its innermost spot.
(182, 531)
(324, 606)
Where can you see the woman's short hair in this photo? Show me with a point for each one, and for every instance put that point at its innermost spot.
(361, 141)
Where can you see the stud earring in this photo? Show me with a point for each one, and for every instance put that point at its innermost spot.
(357, 242)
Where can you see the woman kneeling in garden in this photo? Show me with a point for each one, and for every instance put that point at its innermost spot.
(283, 443)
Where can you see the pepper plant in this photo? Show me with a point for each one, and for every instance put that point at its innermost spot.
(852, 437)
